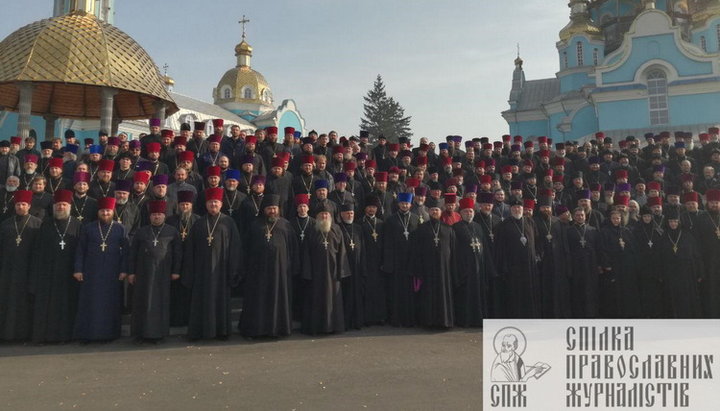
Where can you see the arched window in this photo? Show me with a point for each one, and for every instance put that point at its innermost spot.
(580, 57)
(657, 97)
(595, 57)
(226, 93)
(565, 59)
(247, 93)
(703, 43)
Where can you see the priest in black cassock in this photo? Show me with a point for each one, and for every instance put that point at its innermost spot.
(212, 261)
(100, 267)
(516, 264)
(183, 221)
(17, 241)
(273, 262)
(52, 283)
(709, 242)
(302, 224)
(647, 239)
(353, 286)
(396, 262)
(375, 298)
(583, 265)
(619, 293)
(489, 222)
(324, 265)
(153, 263)
(431, 266)
(552, 254)
(84, 207)
(472, 269)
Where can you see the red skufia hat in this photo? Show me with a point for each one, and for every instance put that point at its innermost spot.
(528, 203)
(466, 203)
(446, 161)
(653, 201)
(31, 158)
(63, 196)
(106, 203)
(349, 166)
(302, 199)
(393, 147)
(141, 178)
(450, 198)
(542, 139)
(180, 141)
(250, 140)
(370, 164)
(381, 177)
(55, 162)
(15, 140)
(81, 177)
(157, 206)
(506, 137)
(691, 196)
(271, 130)
(506, 169)
(284, 155)
(621, 174)
(152, 147)
(289, 130)
(167, 133)
(185, 196)
(218, 123)
(421, 161)
(214, 139)
(712, 195)
(106, 165)
(517, 139)
(653, 185)
(486, 179)
(621, 199)
(412, 182)
(213, 171)
(308, 159)
(497, 144)
(186, 156)
(23, 196)
(394, 170)
(215, 193)
(558, 178)
(338, 149)
(277, 162)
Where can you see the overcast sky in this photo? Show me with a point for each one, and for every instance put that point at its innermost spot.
(449, 63)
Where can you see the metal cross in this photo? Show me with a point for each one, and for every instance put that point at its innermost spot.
(155, 242)
(268, 236)
(243, 22)
(103, 246)
(210, 239)
(18, 240)
(325, 243)
(352, 245)
(62, 244)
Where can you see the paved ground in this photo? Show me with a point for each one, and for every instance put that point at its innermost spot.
(376, 368)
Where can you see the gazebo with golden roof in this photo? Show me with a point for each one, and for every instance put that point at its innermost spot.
(76, 66)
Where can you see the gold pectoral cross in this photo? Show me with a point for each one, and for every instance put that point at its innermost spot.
(103, 246)
(210, 240)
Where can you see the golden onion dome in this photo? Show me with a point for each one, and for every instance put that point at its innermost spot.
(711, 10)
(241, 78)
(168, 81)
(243, 48)
(70, 58)
(580, 27)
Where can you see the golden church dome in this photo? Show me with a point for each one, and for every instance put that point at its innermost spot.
(580, 28)
(243, 47)
(242, 84)
(68, 59)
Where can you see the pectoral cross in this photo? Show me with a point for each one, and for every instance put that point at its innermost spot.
(622, 244)
(583, 242)
(476, 245)
(183, 234)
(18, 240)
(675, 248)
(268, 236)
(62, 244)
(103, 246)
(650, 243)
(210, 240)
(119, 220)
(155, 242)
(325, 243)
(406, 234)
(523, 240)
(352, 245)
(80, 218)
(492, 237)
(4, 209)
(421, 219)
(437, 241)
(302, 236)
(374, 235)
(549, 237)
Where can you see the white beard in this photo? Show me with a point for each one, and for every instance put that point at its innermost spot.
(517, 216)
(323, 226)
(61, 215)
(11, 189)
(350, 221)
(467, 217)
(122, 201)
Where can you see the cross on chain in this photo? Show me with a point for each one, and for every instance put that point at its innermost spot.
(476, 245)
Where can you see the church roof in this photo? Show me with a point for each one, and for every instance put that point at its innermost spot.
(191, 104)
(537, 92)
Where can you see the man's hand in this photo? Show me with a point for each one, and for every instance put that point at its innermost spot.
(174, 277)
(78, 277)
(122, 276)
(131, 279)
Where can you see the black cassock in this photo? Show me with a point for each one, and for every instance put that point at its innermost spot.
(470, 277)
(582, 242)
(211, 267)
(647, 242)
(680, 269)
(516, 266)
(432, 268)
(396, 263)
(15, 261)
(323, 269)
(375, 302)
(155, 254)
(302, 228)
(267, 283)
(489, 225)
(179, 294)
(353, 286)
(619, 293)
(552, 252)
(708, 240)
(52, 282)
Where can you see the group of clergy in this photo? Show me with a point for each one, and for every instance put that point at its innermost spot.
(338, 234)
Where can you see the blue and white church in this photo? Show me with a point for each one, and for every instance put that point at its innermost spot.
(627, 67)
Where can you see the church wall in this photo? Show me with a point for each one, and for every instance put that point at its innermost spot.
(584, 123)
(694, 109)
(610, 8)
(711, 32)
(627, 114)
(530, 128)
(289, 119)
(661, 47)
(575, 81)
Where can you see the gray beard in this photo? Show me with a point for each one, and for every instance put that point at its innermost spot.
(186, 214)
(517, 217)
(122, 201)
(231, 188)
(323, 226)
(467, 218)
(350, 221)
(10, 189)
(61, 215)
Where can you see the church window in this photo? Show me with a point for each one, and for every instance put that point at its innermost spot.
(595, 57)
(657, 97)
(580, 57)
(565, 59)
(226, 93)
(247, 93)
(703, 43)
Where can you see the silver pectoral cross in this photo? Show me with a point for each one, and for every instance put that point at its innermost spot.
(62, 244)
(406, 234)
(352, 245)
(103, 246)
(523, 240)
(302, 236)
(583, 242)
(155, 242)
(325, 243)
(437, 241)
(268, 236)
